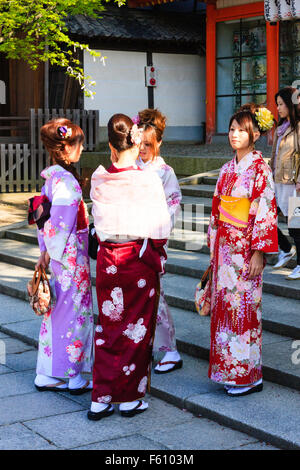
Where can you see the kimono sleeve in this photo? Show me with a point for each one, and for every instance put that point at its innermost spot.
(263, 213)
(214, 218)
(173, 194)
(60, 228)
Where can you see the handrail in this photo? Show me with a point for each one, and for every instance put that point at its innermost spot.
(187, 179)
(14, 118)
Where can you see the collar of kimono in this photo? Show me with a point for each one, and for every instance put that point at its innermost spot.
(51, 170)
(157, 162)
(141, 164)
(246, 161)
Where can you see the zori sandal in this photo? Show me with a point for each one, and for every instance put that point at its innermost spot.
(81, 390)
(52, 388)
(176, 365)
(139, 408)
(96, 416)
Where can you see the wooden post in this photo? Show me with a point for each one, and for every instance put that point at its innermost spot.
(210, 72)
(2, 172)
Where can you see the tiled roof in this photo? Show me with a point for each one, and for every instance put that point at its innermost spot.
(138, 25)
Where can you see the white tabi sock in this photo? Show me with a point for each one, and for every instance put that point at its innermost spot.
(169, 356)
(237, 390)
(79, 382)
(97, 407)
(129, 405)
(44, 380)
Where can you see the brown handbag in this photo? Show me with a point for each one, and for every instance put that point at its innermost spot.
(203, 291)
(39, 292)
(296, 159)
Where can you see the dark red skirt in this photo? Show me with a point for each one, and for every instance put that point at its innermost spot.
(127, 293)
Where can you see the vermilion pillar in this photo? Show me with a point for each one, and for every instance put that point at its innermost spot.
(210, 71)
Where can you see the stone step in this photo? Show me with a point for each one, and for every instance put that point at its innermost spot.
(179, 239)
(194, 264)
(13, 281)
(278, 367)
(182, 263)
(198, 190)
(268, 415)
(274, 320)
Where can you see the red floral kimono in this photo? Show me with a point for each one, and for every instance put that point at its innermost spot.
(127, 284)
(236, 326)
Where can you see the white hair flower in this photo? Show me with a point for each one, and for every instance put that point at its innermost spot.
(136, 135)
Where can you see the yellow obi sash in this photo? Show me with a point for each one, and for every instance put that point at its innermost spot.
(234, 210)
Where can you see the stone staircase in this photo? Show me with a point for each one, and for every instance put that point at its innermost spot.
(272, 415)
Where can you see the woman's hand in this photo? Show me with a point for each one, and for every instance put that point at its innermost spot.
(43, 260)
(298, 187)
(256, 264)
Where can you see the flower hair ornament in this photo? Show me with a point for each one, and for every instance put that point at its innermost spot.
(264, 119)
(136, 120)
(136, 135)
(64, 132)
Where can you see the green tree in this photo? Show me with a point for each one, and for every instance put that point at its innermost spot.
(36, 32)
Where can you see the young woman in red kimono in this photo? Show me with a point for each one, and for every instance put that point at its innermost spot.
(243, 227)
(132, 223)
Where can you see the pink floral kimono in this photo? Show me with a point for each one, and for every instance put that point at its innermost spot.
(66, 335)
(236, 325)
(165, 339)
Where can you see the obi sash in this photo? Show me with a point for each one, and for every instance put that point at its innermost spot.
(234, 210)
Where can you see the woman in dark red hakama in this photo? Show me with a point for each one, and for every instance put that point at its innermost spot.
(126, 201)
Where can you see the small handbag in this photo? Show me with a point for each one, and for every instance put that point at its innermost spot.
(294, 212)
(39, 292)
(38, 210)
(203, 291)
(296, 159)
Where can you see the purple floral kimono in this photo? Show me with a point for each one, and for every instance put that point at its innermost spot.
(66, 335)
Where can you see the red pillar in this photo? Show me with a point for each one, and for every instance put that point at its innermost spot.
(210, 71)
(272, 68)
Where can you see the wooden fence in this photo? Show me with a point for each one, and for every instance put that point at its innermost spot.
(21, 164)
(17, 171)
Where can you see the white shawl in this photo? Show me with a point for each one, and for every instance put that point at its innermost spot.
(129, 204)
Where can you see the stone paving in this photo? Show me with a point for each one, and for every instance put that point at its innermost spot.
(33, 420)
(174, 149)
(13, 207)
(205, 150)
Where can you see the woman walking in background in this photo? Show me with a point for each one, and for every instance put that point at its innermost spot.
(287, 183)
(243, 226)
(66, 335)
(132, 224)
(153, 122)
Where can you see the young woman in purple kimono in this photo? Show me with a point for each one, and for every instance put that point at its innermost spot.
(66, 335)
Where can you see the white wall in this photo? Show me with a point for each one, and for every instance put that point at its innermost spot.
(120, 84)
(180, 92)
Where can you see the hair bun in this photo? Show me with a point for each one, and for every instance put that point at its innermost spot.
(153, 117)
(119, 127)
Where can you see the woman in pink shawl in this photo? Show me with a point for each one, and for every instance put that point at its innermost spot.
(132, 223)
